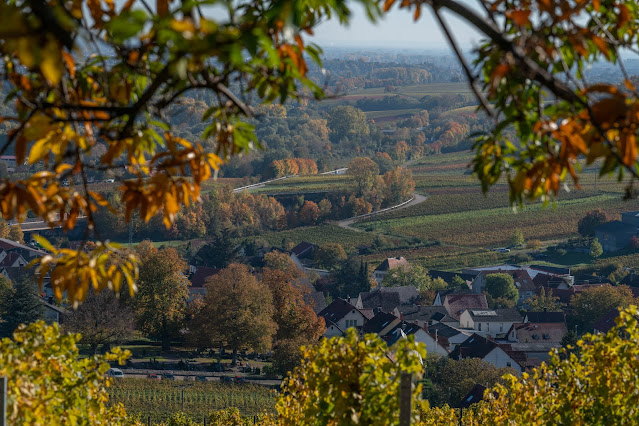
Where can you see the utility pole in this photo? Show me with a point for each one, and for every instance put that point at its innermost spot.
(405, 396)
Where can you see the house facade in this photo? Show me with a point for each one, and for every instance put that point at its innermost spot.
(387, 265)
(491, 322)
(616, 235)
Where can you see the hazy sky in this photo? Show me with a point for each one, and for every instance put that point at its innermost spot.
(396, 29)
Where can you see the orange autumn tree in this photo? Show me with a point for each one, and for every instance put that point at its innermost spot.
(94, 77)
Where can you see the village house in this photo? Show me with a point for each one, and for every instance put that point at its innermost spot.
(527, 278)
(341, 315)
(426, 315)
(491, 322)
(456, 303)
(616, 235)
(488, 350)
(387, 265)
(386, 299)
(536, 339)
(448, 336)
(404, 329)
(199, 277)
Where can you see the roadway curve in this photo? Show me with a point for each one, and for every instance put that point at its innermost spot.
(346, 223)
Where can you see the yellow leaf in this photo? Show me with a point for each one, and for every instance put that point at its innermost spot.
(39, 150)
(51, 64)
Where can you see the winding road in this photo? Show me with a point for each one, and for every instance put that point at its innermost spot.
(346, 223)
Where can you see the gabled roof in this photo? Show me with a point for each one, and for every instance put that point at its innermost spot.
(337, 310)
(202, 273)
(391, 263)
(387, 301)
(6, 244)
(11, 258)
(401, 329)
(495, 315)
(614, 227)
(531, 332)
(551, 281)
(457, 303)
(443, 330)
(407, 293)
(475, 395)
(379, 322)
(475, 346)
(302, 249)
(423, 313)
(552, 269)
(545, 317)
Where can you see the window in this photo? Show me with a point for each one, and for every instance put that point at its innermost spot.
(479, 324)
(501, 327)
(508, 364)
(351, 323)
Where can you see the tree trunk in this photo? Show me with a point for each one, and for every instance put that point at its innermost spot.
(94, 348)
(234, 360)
(166, 338)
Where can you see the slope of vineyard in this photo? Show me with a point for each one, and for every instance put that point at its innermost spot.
(158, 400)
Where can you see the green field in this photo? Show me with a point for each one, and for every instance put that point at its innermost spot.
(159, 400)
(320, 235)
(415, 91)
(493, 226)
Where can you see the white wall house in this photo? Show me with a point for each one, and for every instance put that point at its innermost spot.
(489, 322)
(499, 358)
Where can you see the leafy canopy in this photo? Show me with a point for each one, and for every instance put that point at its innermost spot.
(70, 105)
(529, 76)
(49, 384)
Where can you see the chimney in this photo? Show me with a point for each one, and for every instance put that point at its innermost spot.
(545, 309)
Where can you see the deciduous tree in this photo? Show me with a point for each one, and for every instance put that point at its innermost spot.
(237, 312)
(102, 319)
(330, 255)
(590, 305)
(544, 302)
(309, 213)
(346, 380)
(588, 223)
(595, 248)
(50, 384)
(363, 170)
(502, 287)
(297, 324)
(68, 105)
(163, 290)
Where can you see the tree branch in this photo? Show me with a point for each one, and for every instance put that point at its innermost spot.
(471, 78)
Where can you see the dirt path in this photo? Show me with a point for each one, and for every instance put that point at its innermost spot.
(346, 223)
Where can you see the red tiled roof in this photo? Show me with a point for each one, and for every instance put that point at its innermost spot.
(540, 332)
(457, 303)
(391, 263)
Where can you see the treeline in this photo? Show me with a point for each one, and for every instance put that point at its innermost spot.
(290, 166)
(346, 74)
(435, 103)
